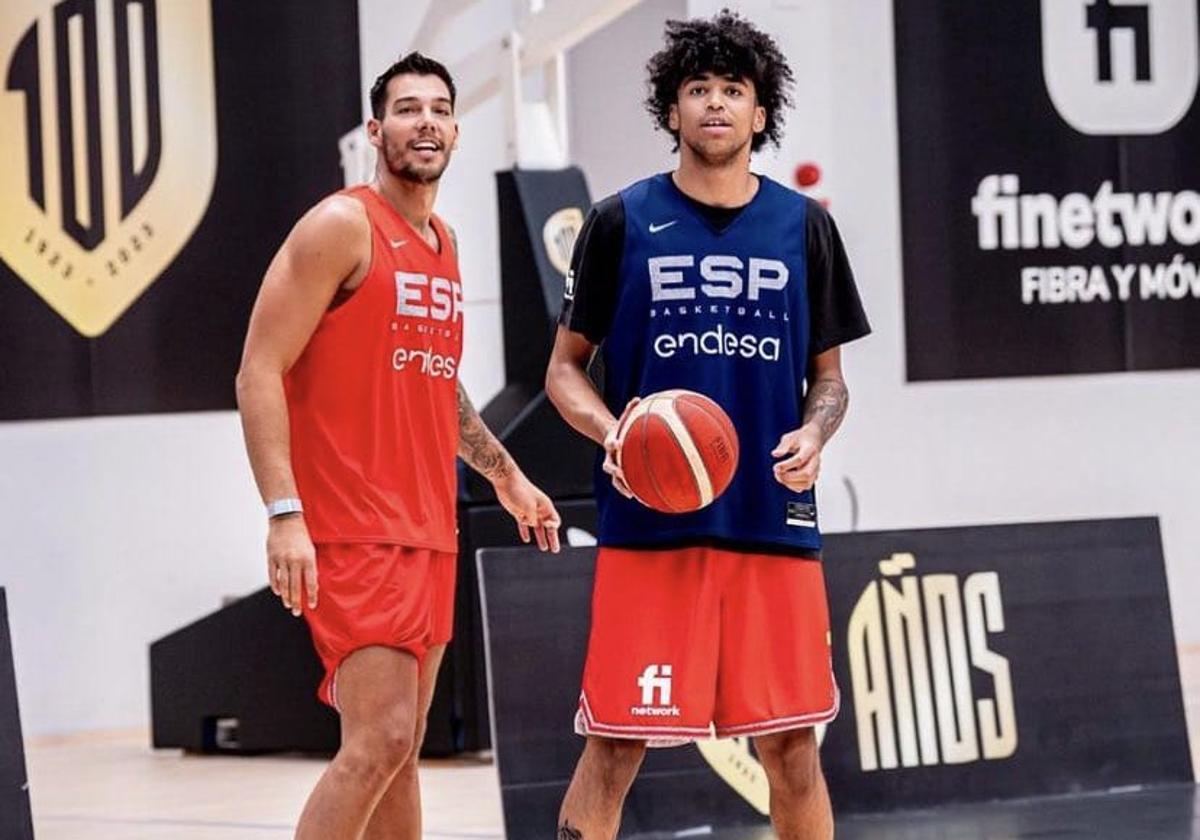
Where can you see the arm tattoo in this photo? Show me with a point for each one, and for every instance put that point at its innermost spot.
(826, 404)
(477, 445)
(566, 832)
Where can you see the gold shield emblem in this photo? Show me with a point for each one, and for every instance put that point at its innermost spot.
(559, 234)
(109, 151)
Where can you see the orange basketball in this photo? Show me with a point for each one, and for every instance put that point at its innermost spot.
(678, 451)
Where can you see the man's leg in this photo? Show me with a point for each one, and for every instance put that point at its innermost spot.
(592, 807)
(398, 814)
(800, 807)
(377, 693)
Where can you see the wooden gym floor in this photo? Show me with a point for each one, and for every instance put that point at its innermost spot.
(111, 786)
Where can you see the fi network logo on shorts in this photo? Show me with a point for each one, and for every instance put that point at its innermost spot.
(1120, 66)
(655, 680)
(109, 147)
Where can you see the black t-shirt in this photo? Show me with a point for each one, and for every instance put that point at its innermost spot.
(835, 310)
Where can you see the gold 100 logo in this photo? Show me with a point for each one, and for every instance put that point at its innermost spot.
(915, 643)
(108, 154)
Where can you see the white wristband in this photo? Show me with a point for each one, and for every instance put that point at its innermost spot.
(280, 507)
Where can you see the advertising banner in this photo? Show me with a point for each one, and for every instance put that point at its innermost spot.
(1049, 178)
(974, 664)
(16, 820)
(154, 156)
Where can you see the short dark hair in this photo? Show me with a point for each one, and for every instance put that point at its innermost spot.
(727, 45)
(416, 64)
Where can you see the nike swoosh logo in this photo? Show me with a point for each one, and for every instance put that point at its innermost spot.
(396, 243)
(656, 228)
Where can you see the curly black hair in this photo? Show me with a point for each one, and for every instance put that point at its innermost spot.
(416, 64)
(727, 45)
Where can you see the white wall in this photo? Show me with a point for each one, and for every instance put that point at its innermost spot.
(120, 530)
(612, 137)
(116, 532)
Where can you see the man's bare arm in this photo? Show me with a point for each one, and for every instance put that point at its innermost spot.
(325, 250)
(532, 509)
(572, 391)
(574, 395)
(478, 446)
(828, 397)
(824, 409)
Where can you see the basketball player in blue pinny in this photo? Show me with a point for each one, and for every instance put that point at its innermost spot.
(722, 610)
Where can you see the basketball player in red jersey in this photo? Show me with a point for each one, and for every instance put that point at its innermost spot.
(719, 280)
(353, 415)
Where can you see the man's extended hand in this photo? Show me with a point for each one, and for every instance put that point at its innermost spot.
(292, 562)
(531, 508)
(800, 450)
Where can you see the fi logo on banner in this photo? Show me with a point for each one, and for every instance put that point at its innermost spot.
(1120, 66)
(109, 146)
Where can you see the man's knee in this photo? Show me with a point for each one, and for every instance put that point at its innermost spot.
(375, 752)
(790, 759)
(409, 766)
(418, 738)
(616, 760)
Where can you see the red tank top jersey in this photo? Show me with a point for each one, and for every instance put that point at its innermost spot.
(372, 401)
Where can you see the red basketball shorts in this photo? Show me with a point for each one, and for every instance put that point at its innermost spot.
(389, 595)
(701, 642)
